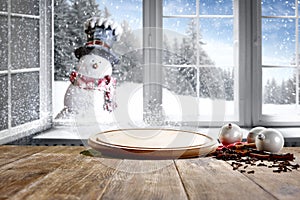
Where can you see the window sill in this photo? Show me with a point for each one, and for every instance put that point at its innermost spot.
(71, 136)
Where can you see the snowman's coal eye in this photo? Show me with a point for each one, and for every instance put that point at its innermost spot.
(93, 61)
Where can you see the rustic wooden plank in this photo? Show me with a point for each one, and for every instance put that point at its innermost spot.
(82, 178)
(74, 150)
(61, 173)
(208, 178)
(282, 186)
(295, 151)
(19, 174)
(10, 154)
(144, 179)
(285, 185)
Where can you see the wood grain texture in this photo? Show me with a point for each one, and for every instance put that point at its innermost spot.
(285, 185)
(142, 179)
(75, 150)
(208, 178)
(21, 173)
(63, 173)
(10, 154)
(81, 178)
(295, 151)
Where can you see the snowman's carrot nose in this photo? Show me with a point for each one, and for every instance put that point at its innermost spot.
(95, 66)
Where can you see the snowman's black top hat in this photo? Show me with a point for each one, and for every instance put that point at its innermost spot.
(97, 50)
(99, 42)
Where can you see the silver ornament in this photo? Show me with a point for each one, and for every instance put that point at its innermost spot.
(230, 133)
(253, 133)
(269, 140)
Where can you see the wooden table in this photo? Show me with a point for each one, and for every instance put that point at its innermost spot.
(32, 172)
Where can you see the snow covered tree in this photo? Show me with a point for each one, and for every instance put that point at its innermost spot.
(271, 92)
(170, 74)
(106, 13)
(185, 53)
(291, 90)
(283, 99)
(228, 79)
(81, 10)
(285, 93)
(175, 52)
(188, 56)
(63, 52)
(130, 67)
(167, 51)
(69, 17)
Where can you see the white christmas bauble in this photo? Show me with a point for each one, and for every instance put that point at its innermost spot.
(230, 133)
(253, 133)
(269, 140)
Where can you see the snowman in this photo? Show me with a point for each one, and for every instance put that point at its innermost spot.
(91, 80)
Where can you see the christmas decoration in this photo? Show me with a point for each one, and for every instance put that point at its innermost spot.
(230, 133)
(247, 156)
(253, 133)
(269, 140)
(93, 72)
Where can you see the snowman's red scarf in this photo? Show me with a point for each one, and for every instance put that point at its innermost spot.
(107, 84)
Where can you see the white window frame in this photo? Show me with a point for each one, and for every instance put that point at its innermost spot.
(44, 122)
(241, 21)
(248, 81)
(258, 118)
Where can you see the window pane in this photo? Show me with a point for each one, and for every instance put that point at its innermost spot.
(25, 98)
(278, 41)
(279, 91)
(29, 7)
(25, 43)
(220, 7)
(3, 42)
(216, 92)
(130, 105)
(180, 41)
(179, 7)
(217, 83)
(278, 7)
(68, 26)
(212, 85)
(181, 80)
(217, 42)
(121, 11)
(3, 102)
(177, 25)
(180, 93)
(3, 5)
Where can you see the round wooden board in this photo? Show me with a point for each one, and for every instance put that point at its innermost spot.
(152, 143)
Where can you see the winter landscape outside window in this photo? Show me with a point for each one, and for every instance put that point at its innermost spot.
(192, 72)
(200, 58)
(209, 55)
(69, 35)
(200, 49)
(280, 60)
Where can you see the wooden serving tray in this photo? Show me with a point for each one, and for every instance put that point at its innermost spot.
(152, 143)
